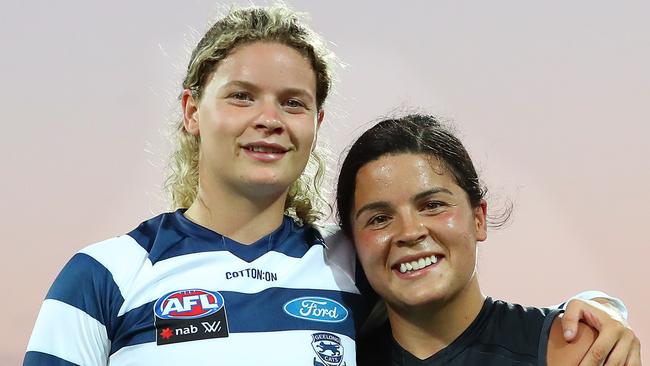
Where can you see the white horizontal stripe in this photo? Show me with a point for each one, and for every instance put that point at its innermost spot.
(140, 282)
(66, 332)
(340, 254)
(123, 257)
(239, 349)
(209, 271)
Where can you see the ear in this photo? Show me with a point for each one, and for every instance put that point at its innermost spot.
(190, 113)
(319, 120)
(480, 219)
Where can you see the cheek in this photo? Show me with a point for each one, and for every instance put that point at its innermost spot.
(222, 119)
(305, 131)
(371, 247)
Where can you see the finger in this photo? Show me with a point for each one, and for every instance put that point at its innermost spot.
(634, 357)
(570, 320)
(600, 349)
(621, 350)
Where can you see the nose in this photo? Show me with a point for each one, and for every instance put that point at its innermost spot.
(411, 230)
(269, 119)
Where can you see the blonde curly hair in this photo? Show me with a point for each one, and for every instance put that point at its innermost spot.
(277, 23)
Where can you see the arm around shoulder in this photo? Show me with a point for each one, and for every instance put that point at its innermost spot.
(562, 353)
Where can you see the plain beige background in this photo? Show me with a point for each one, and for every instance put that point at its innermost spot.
(552, 99)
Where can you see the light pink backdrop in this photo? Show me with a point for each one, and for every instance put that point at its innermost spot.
(552, 99)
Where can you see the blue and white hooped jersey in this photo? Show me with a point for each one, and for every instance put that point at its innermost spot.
(174, 293)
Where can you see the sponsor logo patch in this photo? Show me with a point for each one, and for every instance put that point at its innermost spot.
(319, 309)
(328, 348)
(189, 315)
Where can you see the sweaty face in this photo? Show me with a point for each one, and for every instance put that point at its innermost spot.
(257, 119)
(414, 230)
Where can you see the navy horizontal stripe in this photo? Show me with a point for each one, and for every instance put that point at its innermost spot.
(33, 358)
(246, 313)
(172, 234)
(134, 327)
(88, 286)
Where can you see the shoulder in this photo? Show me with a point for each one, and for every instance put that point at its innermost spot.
(510, 316)
(501, 320)
(337, 247)
(560, 352)
(335, 240)
(100, 274)
(540, 331)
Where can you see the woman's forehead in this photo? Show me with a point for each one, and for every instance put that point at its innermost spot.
(404, 173)
(267, 62)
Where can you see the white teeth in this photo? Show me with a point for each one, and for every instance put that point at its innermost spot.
(418, 264)
(264, 149)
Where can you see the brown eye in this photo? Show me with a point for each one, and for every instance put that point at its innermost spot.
(378, 220)
(433, 206)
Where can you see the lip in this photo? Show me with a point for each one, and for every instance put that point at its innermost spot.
(279, 151)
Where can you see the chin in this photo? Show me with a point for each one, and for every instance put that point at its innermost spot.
(265, 185)
(428, 296)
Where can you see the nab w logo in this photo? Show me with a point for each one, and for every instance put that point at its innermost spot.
(190, 315)
(211, 327)
(188, 304)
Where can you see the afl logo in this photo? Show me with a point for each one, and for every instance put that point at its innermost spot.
(319, 309)
(188, 304)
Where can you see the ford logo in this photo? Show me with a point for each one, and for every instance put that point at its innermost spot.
(320, 309)
(188, 304)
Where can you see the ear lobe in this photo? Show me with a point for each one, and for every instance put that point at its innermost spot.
(190, 113)
(480, 218)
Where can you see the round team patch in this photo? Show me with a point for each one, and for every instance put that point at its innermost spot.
(188, 304)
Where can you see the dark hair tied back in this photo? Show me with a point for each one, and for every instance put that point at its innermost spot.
(410, 134)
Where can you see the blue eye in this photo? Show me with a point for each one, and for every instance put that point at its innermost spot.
(241, 97)
(295, 103)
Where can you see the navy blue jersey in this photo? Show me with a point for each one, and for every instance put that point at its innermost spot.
(172, 292)
(502, 334)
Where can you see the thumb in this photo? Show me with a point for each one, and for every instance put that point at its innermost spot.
(569, 322)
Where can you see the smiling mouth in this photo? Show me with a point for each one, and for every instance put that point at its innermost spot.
(411, 266)
(266, 149)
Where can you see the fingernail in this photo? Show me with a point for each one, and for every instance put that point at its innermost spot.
(568, 333)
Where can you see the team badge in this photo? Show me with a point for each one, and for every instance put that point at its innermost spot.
(328, 348)
(188, 315)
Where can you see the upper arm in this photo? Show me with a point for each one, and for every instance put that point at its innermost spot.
(71, 327)
(562, 353)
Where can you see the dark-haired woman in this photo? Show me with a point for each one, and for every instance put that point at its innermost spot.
(410, 198)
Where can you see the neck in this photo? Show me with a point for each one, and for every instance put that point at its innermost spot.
(239, 217)
(425, 330)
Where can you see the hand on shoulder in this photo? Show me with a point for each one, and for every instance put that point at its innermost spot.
(562, 353)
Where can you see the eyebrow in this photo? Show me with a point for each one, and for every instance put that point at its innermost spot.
(289, 90)
(431, 192)
(379, 205)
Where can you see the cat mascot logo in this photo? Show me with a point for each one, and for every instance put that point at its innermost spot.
(328, 348)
